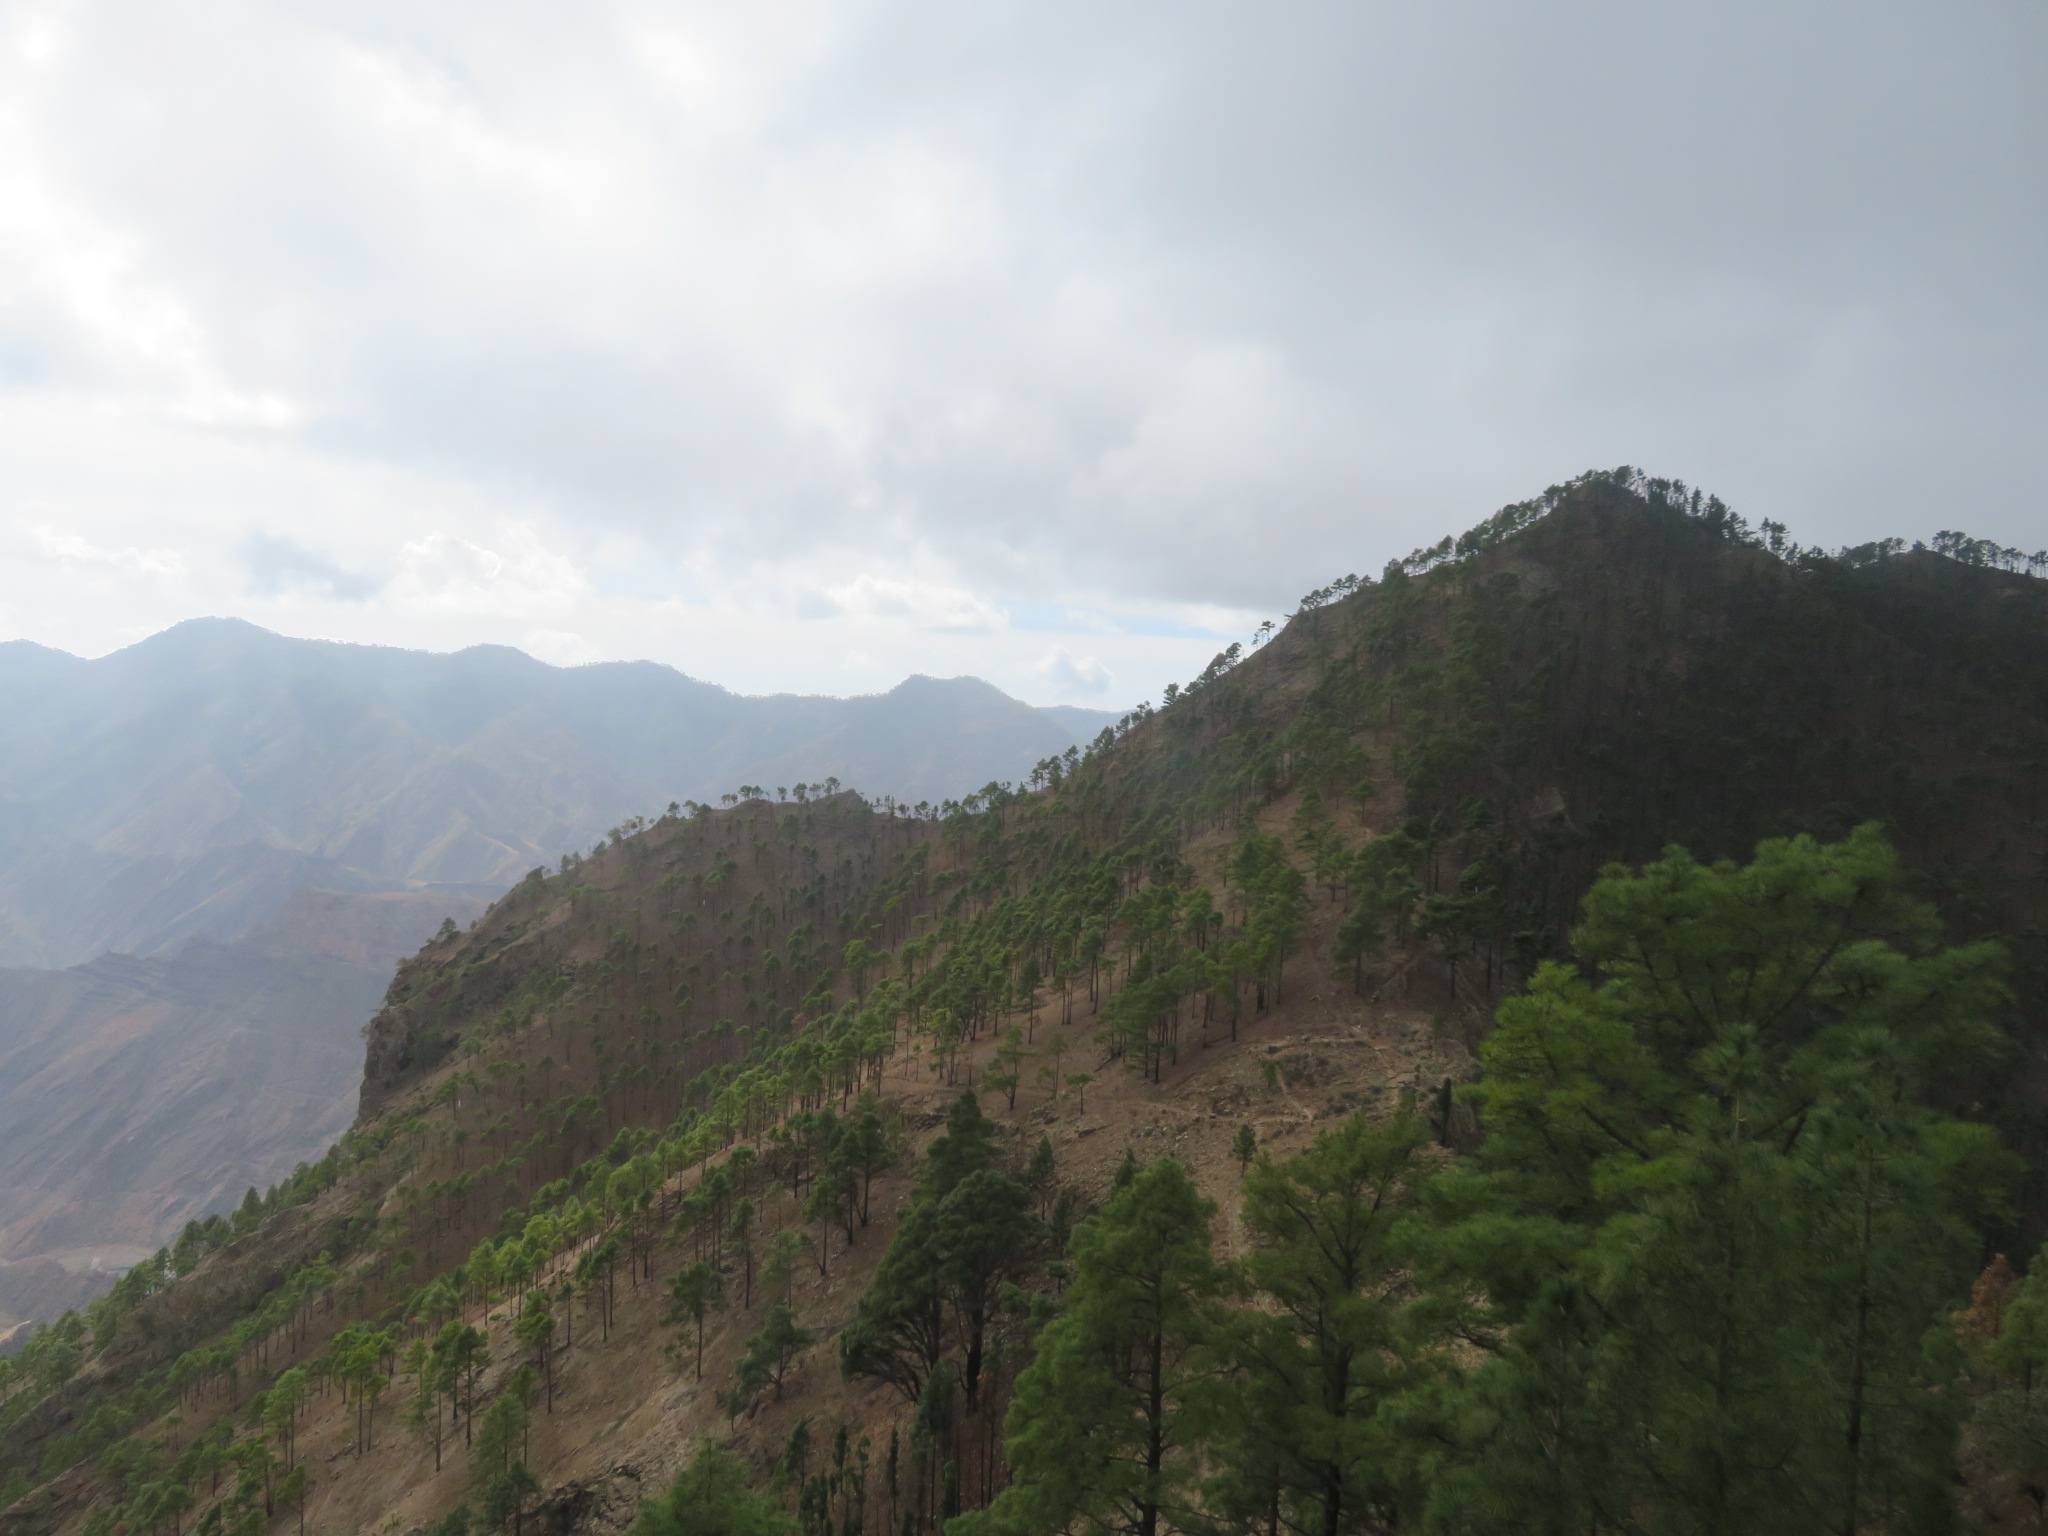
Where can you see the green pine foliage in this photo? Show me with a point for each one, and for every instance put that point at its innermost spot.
(771, 1352)
(969, 1231)
(1326, 1356)
(1694, 1280)
(713, 1496)
(1715, 1217)
(1128, 1384)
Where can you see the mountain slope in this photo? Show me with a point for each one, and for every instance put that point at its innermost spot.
(1615, 675)
(620, 1050)
(191, 789)
(136, 1095)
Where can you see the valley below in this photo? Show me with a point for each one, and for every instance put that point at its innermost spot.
(137, 1095)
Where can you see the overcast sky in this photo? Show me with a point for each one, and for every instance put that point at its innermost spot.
(805, 345)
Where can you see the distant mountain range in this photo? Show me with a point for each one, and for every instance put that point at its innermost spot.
(216, 844)
(187, 785)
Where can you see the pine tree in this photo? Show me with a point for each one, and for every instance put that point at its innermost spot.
(740, 1229)
(2004, 1337)
(459, 1356)
(898, 1332)
(968, 1230)
(504, 1502)
(498, 1441)
(536, 1330)
(770, 1352)
(1105, 1430)
(1324, 1354)
(1042, 1176)
(711, 1497)
(987, 1234)
(1711, 1221)
(695, 1290)
(291, 1492)
(967, 1145)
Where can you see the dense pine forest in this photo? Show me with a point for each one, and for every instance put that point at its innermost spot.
(1551, 1039)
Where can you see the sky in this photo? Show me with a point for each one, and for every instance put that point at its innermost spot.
(805, 345)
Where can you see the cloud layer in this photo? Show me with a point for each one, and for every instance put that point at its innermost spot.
(805, 344)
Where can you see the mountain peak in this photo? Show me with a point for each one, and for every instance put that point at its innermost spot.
(212, 628)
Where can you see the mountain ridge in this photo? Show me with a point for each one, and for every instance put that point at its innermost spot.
(215, 780)
(1453, 750)
(144, 789)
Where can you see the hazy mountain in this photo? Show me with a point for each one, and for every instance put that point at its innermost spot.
(188, 784)
(136, 1094)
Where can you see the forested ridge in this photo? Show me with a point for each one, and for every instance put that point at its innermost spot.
(1270, 1117)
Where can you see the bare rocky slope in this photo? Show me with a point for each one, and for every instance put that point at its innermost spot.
(588, 1079)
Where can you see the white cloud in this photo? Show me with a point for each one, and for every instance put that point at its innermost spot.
(1073, 677)
(763, 338)
(927, 606)
(79, 294)
(457, 575)
(74, 550)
